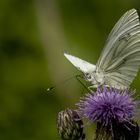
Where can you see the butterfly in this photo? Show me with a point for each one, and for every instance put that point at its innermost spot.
(119, 60)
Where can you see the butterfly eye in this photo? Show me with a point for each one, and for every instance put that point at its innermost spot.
(88, 76)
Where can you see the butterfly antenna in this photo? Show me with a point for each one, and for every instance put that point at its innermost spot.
(64, 81)
(78, 78)
(50, 88)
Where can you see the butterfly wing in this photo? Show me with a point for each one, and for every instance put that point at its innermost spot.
(120, 58)
(80, 64)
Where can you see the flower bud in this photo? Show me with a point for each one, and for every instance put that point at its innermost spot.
(69, 125)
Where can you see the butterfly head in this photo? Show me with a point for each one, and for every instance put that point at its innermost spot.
(95, 78)
(88, 77)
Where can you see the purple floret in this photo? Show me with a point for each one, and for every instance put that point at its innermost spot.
(107, 105)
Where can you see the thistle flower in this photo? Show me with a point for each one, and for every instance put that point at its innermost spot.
(69, 125)
(110, 108)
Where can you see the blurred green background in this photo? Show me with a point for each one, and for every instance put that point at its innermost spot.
(33, 36)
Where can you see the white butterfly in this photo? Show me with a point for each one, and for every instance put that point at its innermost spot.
(119, 61)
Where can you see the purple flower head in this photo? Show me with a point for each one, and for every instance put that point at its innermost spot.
(107, 105)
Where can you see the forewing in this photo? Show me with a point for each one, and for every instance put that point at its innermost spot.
(80, 64)
(120, 58)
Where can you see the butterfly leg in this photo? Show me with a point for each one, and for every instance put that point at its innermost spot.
(78, 78)
(92, 88)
